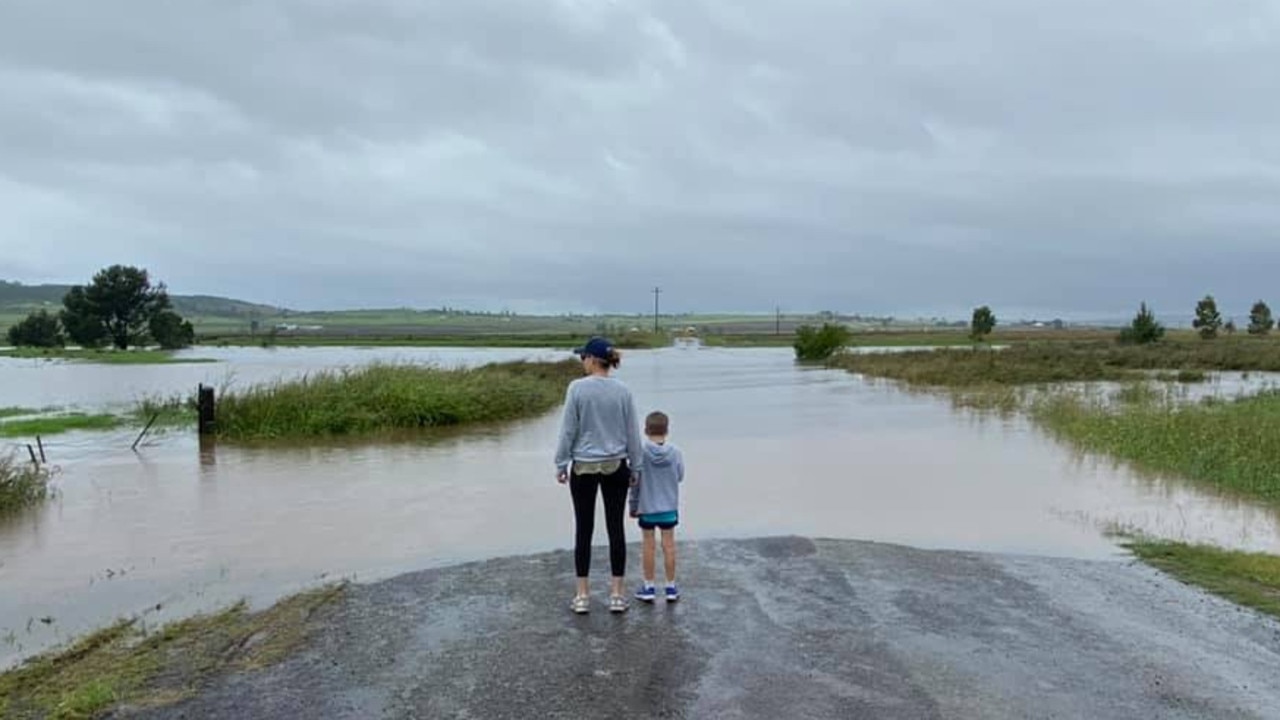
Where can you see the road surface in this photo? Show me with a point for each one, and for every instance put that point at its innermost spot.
(775, 628)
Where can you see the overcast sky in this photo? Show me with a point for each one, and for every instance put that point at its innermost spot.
(895, 156)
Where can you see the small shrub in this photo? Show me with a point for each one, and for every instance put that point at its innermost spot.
(1144, 329)
(814, 344)
(1260, 320)
(1208, 320)
(21, 484)
(39, 329)
(170, 331)
(984, 321)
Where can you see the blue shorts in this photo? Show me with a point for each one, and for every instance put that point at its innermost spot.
(665, 521)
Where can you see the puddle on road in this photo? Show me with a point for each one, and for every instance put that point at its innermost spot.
(772, 449)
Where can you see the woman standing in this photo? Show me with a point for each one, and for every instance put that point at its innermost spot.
(599, 449)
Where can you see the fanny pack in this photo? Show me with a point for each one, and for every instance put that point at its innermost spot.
(604, 467)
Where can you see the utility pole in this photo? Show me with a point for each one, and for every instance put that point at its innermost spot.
(657, 291)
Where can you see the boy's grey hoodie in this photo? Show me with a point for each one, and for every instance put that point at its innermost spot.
(660, 476)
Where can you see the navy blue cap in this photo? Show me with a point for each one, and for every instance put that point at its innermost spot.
(596, 347)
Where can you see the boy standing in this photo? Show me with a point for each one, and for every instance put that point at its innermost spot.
(655, 500)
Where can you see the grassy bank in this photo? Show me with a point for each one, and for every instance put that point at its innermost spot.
(1056, 362)
(383, 398)
(106, 357)
(1249, 579)
(125, 666)
(21, 484)
(1227, 445)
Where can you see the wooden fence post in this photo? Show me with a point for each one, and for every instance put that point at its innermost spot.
(207, 410)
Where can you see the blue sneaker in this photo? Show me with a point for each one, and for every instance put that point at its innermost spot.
(646, 593)
(673, 593)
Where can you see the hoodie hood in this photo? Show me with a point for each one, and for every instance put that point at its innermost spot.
(657, 455)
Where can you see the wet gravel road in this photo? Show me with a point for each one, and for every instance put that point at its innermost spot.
(775, 628)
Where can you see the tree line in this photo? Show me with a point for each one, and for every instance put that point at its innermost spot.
(1207, 322)
(1144, 328)
(119, 306)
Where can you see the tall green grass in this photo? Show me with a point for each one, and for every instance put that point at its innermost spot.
(381, 398)
(1227, 445)
(21, 484)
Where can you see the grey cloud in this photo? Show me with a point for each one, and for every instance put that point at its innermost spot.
(880, 156)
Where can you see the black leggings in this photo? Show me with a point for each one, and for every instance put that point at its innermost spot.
(614, 488)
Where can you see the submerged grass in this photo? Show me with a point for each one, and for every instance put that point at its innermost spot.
(380, 398)
(55, 424)
(106, 357)
(1227, 445)
(1249, 579)
(21, 484)
(167, 411)
(125, 665)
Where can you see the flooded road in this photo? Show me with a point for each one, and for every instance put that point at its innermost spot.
(771, 448)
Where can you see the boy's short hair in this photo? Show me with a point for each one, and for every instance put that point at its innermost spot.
(657, 424)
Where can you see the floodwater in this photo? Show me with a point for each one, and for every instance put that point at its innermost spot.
(772, 448)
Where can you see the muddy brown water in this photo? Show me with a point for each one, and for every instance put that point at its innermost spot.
(772, 448)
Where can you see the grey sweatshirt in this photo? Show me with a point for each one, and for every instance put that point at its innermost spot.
(599, 424)
(660, 478)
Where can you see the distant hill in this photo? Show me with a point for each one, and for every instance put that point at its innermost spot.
(19, 298)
